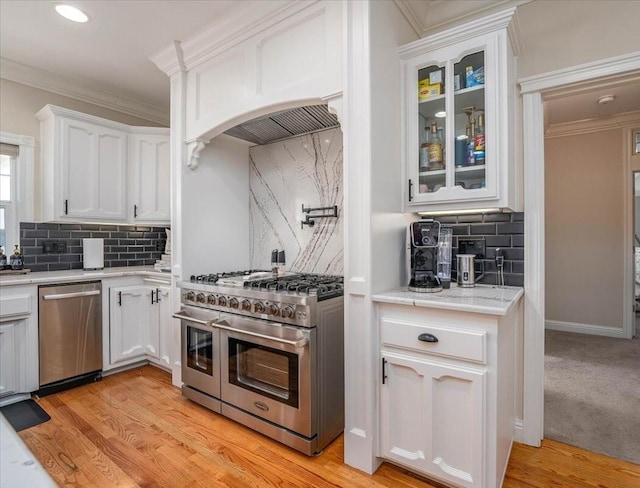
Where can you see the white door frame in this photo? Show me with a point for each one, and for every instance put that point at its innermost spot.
(534, 90)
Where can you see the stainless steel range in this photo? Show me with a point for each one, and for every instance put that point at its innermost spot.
(267, 350)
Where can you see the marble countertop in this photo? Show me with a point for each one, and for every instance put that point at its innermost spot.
(18, 466)
(45, 277)
(486, 299)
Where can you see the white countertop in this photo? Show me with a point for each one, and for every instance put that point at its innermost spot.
(44, 277)
(18, 466)
(485, 299)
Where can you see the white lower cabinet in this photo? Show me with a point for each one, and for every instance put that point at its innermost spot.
(18, 343)
(131, 322)
(447, 394)
(432, 417)
(8, 369)
(140, 325)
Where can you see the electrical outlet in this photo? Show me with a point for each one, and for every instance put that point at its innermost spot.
(54, 247)
(160, 243)
(472, 246)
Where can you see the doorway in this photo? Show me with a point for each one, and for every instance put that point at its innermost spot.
(590, 399)
(535, 91)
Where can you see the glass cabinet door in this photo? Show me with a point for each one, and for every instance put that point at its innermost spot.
(469, 128)
(431, 128)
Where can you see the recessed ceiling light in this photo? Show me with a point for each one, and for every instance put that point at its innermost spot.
(72, 13)
(441, 114)
(606, 99)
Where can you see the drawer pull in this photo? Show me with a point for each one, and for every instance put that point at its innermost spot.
(427, 338)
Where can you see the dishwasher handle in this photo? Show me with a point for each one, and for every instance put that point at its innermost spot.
(60, 296)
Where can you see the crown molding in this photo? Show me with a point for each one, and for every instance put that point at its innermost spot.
(501, 19)
(45, 80)
(625, 120)
(410, 16)
(170, 60)
(240, 25)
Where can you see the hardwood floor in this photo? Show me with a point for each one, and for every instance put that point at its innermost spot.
(134, 429)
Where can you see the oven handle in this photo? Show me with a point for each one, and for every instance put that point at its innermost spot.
(188, 318)
(296, 344)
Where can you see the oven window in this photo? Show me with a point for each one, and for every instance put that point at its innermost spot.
(269, 372)
(199, 350)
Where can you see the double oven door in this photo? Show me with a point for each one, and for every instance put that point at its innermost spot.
(268, 370)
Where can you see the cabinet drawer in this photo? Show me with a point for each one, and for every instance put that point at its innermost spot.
(466, 344)
(11, 306)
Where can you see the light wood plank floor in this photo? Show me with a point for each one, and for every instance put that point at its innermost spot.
(134, 429)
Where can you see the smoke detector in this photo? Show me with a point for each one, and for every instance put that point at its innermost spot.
(603, 100)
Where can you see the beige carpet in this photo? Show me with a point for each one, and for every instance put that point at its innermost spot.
(592, 393)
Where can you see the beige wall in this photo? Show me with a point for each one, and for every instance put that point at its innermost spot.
(561, 33)
(19, 104)
(584, 228)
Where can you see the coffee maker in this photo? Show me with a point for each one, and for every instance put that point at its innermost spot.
(422, 256)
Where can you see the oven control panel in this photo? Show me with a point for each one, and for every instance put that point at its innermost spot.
(276, 310)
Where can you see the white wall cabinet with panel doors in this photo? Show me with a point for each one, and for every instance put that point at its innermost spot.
(447, 404)
(84, 166)
(460, 118)
(97, 170)
(150, 171)
(18, 343)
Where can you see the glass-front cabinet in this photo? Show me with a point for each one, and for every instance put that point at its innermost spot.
(459, 126)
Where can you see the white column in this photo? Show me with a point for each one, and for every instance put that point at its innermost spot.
(534, 276)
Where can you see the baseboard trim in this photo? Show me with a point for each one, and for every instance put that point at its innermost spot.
(518, 431)
(600, 330)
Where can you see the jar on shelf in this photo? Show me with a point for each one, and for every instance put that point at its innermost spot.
(3, 259)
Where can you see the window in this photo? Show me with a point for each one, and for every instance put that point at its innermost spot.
(8, 224)
(17, 196)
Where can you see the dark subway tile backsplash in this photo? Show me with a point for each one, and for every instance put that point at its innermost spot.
(499, 230)
(124, 245)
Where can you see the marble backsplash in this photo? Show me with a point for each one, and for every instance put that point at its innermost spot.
(284, 176)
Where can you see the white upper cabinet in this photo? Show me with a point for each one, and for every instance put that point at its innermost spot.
(459, 126)
(96, 170)
(84, 165)
(149, 162)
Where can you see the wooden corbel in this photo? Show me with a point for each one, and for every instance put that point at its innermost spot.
(194, 148)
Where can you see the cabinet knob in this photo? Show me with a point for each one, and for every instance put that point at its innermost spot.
(427, 338)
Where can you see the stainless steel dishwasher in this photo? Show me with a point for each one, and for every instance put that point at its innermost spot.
(70, 335)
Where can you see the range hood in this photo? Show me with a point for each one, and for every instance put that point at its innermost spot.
(285, 124)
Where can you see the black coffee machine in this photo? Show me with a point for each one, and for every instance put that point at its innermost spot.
(422, 256)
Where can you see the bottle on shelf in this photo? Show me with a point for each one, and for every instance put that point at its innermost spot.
(16, 260)
(479, 141)
(3, 259)
(471, 145)
(424, 152)
(444, 146)
(435, 149)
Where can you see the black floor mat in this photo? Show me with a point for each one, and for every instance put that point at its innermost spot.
(24, 414)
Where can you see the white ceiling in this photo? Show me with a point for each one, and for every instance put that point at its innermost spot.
(108, 58)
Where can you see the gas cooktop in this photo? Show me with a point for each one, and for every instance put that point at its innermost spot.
(323, 286)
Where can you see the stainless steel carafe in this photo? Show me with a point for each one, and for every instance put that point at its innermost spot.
(466, 270)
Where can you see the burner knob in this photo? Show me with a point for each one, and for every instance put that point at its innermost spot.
(200, 298)
(246, 305)
(211, 299)
(258, 307)
(287, 312)
(222, 301)
(233, 302)
(273, 309)
(190, 296)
